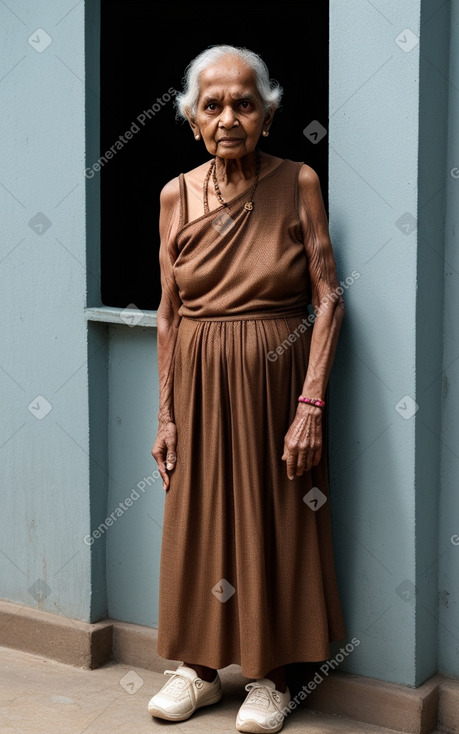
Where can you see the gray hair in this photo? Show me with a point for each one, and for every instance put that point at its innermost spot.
(269, 89)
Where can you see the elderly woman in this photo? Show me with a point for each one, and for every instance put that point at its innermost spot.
(247, 570)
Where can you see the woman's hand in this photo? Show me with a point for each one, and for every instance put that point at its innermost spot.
(303, 440)
(164, 450)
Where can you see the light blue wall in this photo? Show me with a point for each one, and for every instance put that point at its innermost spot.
(372, 175)
(134, 540)
(387, 138)
(43, 332)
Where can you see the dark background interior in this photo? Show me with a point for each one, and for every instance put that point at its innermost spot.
(144, 51)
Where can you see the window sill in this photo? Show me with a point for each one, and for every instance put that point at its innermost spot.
(127, 316)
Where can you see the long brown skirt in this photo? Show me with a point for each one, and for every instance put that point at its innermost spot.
(247, 570)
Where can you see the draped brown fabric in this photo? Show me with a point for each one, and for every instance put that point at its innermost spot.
(247, 570)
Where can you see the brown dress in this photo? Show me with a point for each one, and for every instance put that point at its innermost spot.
(247, 571)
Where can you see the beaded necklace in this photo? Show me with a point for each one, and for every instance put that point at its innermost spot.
(248, 206)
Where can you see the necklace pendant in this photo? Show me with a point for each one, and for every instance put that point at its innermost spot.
(248, 206)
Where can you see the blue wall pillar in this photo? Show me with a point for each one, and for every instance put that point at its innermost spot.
(448, 546)
(44, 436)
(389, 91)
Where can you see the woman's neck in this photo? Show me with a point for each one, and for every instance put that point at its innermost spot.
(235, 170)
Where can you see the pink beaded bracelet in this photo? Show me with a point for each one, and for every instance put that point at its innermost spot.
(313, 401)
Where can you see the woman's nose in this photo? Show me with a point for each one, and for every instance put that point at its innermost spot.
(228, 117)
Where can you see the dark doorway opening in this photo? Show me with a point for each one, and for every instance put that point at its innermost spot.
(144, 51)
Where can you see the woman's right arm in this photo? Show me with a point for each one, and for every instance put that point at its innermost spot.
(168, 319)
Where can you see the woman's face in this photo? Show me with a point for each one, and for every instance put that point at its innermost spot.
(230, 114)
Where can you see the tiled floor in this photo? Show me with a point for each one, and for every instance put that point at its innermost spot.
(38, 696)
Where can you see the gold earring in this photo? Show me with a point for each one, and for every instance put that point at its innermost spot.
(197, 137)
(265, 133)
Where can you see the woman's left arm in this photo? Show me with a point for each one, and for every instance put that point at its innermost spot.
(303, 441)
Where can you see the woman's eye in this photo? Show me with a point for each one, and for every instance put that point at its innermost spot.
(212, 106)
(245, 104)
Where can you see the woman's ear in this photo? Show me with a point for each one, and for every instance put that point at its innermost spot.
(268, 119)
(193, 125)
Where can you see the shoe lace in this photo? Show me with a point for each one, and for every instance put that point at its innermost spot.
(260, 694)
(178, 681)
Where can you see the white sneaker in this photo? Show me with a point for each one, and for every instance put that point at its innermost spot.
(183, 694)
(263, 709)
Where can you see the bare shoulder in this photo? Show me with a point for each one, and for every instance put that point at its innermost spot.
(169, 213)
(311, 206)
(170, 193)
(308, 179)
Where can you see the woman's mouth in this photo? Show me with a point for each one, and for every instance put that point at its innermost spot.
(229, 141)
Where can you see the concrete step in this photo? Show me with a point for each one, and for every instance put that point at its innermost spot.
(39, 695)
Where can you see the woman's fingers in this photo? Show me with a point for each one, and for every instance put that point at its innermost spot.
(164, 451)
(303, 444)
(307, 459)
(166, 466)
(303, 461)
(299, 461)
(164, 476)
(171, 458)
(290, 458)
(159, 458)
